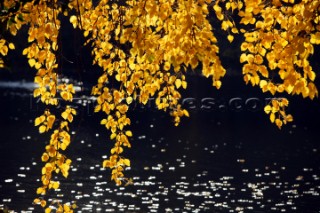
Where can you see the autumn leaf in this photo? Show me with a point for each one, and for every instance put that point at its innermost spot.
(42, 128)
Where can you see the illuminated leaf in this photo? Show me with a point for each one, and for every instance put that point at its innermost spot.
(129, 133)
(42, 128)
(39, 120)
(230, 38)
(45, 157)
(129, 100)
(184, 84)
(65, 115)
(279, 123)
(73, 21)
(36, 201)
(272, 117)
(126, 162)
(267, 109)
(55, 185)
(113, 136)
(11, 46)
(32, 62)
(178, 83)
(315, 38)
(43, 203)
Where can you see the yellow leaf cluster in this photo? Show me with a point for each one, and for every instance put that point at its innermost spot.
(45, 121)
(68, 114)
(281, 42)
(4, 47)
(276, 109)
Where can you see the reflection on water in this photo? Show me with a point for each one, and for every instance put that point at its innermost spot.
(211, 163)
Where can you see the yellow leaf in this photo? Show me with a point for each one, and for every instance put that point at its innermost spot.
(234, 30)
(66, 95)
(73, 111)
(54, 46)
(31, 62)
(315, 38)
(224, 25)
(42, 128)
(278, 123)
(230, 38)
(73, 20)
(129, 100)
(74, 206)
(289, 118)
(217, 84)
(166, 66)
(311, 75)
(267, 109)
(41, 190)
(272, 117)
(70, 118)
(11, 46)
(263, 83)
(178, 83)
(4, 50)
(25, 51)
(112, 136)
(37, 65)
(39, 120)
(45, 157)
(63, 146)
(36, 201)
(184, 84)
(55, 185)
(243, 58)
(103, 121)
(106, 164)
(186, 113)
(64, 115)
(129, 133)
(50, 119)
(43, 203)
(48, 210)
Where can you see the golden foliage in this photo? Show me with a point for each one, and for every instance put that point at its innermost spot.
(282, 38)
(146, 47)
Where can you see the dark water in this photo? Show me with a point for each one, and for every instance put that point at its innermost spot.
(219, 160)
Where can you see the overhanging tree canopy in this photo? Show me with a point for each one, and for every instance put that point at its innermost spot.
(145, 49)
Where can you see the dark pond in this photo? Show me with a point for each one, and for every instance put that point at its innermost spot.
(227, 157)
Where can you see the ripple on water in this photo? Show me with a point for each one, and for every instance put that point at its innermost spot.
(168, 185)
